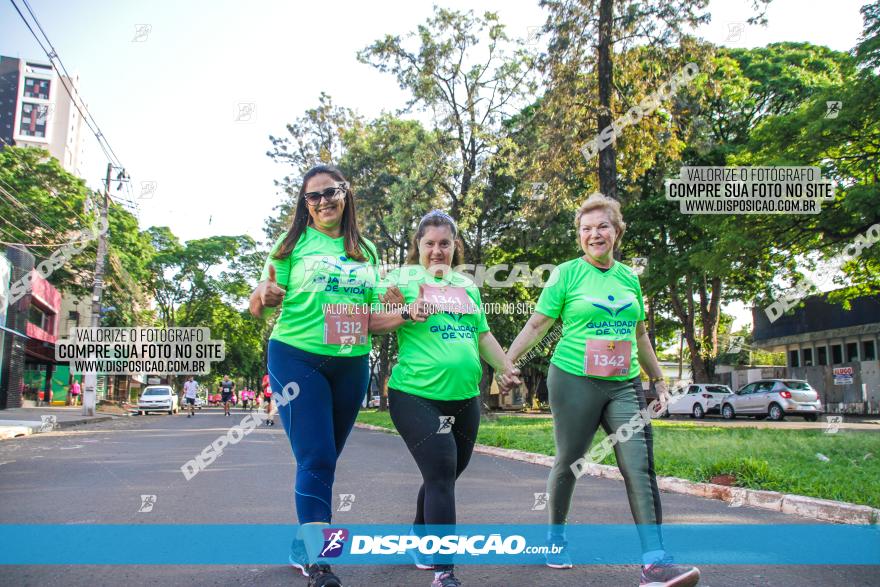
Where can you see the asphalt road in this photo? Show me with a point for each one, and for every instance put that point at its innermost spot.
(97, 474)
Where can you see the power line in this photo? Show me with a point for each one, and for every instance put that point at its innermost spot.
(15, 201)
(57, 196)
(51, 54)
(87, 116)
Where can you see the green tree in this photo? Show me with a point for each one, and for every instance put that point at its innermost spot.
(314, 138)
(461, 71)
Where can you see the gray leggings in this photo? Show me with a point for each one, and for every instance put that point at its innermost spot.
(579, 405)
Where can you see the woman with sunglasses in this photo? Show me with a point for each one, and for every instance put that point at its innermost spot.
(433, 393)
(322, 273)
(594, 381)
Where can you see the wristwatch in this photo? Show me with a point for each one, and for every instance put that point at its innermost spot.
(405, 315)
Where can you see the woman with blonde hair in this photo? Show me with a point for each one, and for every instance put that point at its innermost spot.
(594, 380)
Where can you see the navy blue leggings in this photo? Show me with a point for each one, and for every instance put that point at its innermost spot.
(318, 420)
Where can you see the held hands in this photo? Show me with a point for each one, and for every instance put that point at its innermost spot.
(509, 379)
(662, 392)
(271, 294)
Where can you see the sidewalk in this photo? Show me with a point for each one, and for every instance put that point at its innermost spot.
(16, 422)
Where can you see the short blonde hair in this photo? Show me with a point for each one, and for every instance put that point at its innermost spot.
(610, 206)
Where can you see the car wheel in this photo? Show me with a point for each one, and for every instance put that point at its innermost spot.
(140, 412)
(170, 412)
(727, 412)
(811, 417)
(775, 413)
(698, 412)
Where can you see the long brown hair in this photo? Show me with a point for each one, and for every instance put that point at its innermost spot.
(302, 220)
(436, 218)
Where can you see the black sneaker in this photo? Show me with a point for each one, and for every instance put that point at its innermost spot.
(322, 576)
(446, 579)
(664, 573)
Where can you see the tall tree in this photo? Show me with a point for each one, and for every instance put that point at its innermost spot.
(314, 138)
(460, 70)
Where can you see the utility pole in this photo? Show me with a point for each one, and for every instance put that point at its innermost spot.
(90, 380)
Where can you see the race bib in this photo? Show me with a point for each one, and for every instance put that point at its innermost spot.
(607, 358)
(447, 298)
(344, 325)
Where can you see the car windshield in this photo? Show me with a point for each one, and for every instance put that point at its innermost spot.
(797, 384)
(158, 391)
(718, 389)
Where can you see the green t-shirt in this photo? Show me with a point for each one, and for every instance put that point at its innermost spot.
(592, 304)
(315, 274)
(440, 357)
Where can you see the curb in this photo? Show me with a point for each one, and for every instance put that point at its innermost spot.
(31, 427)
(826, 510)
(81, 421)
(9, 432)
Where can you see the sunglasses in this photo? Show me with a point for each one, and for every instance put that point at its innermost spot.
(330, 194)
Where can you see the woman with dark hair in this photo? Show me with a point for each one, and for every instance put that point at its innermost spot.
(322, 273)
(433, 392)
(594, 381)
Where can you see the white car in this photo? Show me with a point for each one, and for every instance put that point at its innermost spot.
(158, 398)
(700, 399)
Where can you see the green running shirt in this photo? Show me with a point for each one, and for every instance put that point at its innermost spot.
(592, 304)
(440, 357)
(317, 273)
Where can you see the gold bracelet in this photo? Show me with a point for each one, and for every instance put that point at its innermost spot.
(657, 379)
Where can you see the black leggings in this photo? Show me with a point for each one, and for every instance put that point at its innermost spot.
(441, 453)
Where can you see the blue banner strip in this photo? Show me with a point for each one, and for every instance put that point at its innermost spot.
(374, 544)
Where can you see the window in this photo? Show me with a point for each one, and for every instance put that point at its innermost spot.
(158, 391)
(33, 120)
(747, 389)
(36, 88)
(822, 355)
(836, 354)
(852, 352)
(808, 357)
(793, 359)
(868, 351)
(764, 386)
(694, 389)
(718, 389)
(37, 317)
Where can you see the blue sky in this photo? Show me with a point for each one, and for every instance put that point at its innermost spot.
(168, 102)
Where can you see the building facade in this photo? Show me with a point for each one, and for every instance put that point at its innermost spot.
(833, 348)
(36, 111)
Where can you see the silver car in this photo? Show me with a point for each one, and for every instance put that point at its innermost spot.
(700, 399)
(774, 399)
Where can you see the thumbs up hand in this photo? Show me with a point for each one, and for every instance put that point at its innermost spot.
(271, 294)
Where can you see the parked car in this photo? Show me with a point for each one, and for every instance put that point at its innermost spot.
(200, 402)
(700, 399)
(374, 402)
(158, 398)
(774, 399)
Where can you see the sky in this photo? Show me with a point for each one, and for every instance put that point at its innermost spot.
(188, 92)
